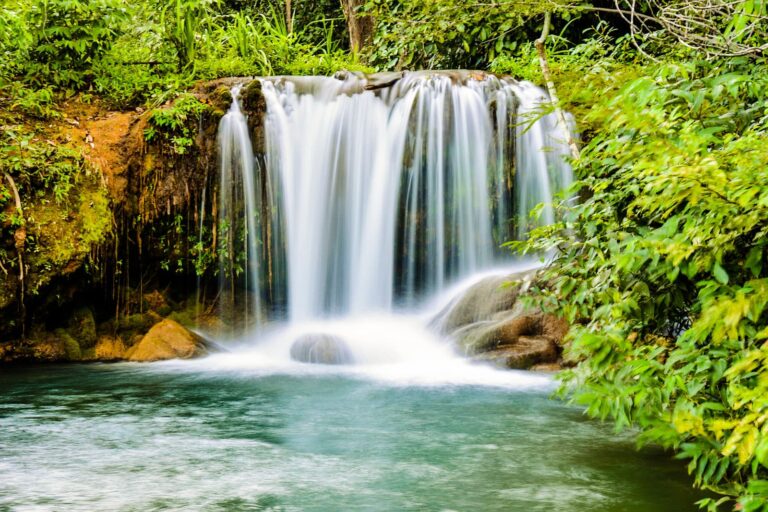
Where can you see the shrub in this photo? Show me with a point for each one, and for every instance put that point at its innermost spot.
(69, 36)
(663, 271)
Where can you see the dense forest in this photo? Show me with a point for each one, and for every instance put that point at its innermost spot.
(661, 266)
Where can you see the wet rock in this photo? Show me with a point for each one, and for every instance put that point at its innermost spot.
(483, 300)
(507, 331)
(526, 353)
(72, 349)
(167, 340)
(489, 323)
(254, 105)
(321, 349)
(547, 367)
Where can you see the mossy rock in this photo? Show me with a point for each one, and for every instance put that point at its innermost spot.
(252, 98)
(53, 346)
(82, 327)
(221, 98)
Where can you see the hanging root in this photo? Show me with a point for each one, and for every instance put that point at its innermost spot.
(20, 238)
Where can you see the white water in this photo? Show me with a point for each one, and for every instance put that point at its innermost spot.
(379, 200)
(237, 189)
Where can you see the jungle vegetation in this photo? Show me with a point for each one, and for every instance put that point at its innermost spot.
(661, 266)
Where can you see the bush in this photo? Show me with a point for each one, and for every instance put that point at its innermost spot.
(69, 36)
(663, 270)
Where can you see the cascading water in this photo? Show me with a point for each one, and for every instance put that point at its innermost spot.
(375, 196)
(237, 193)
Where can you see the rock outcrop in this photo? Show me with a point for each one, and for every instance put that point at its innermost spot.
(489, 323)
(321, 349)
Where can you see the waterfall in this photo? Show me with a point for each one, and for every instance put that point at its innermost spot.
(238, 208)
(376, 196)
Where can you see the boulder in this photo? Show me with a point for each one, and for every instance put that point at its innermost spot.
(167, 340)
(321, 349)
(489, 323)
(483, 300)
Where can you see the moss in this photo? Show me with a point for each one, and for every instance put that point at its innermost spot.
(62, 233)
(71, 346)
(82, 327)
(252, 97)
(137, 322)
(221, 98)
(95, 216)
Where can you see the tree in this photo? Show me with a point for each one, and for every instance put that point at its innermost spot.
(360, 25)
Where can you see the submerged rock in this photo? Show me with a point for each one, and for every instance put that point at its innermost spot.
(167, 340)
(321, 349)
(489, 323)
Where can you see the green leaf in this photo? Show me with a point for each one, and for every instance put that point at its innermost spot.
(720, 274)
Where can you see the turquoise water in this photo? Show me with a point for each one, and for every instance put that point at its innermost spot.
(174, 437)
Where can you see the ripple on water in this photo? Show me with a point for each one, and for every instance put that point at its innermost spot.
(141, 437)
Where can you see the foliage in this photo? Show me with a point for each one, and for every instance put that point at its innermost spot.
(39, 104)
(715, 29)
(65, 208)
(176, 124)
(38, 168)
(14, 41)
(434, 34)
(662, 269)
(183, 21)
(148, 51)
(69, 36)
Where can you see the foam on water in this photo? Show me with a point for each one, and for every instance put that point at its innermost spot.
(392, 348)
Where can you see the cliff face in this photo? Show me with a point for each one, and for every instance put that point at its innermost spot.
(113, 230)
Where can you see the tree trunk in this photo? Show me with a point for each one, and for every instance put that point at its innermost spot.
(360, 27)
(289, 16)
(551, 85)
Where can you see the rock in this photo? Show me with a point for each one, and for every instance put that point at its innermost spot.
(47, 347)
(547, 367)
(110, 348)
(489, 323)
(507, 331)
(82, 327)
(483, 300)
(72, 348)
(321, 349)
(526, 353)
(168, 340)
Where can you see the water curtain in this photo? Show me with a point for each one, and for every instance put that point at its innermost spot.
(367, 197)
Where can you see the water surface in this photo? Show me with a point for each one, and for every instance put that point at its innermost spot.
(172, 437)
